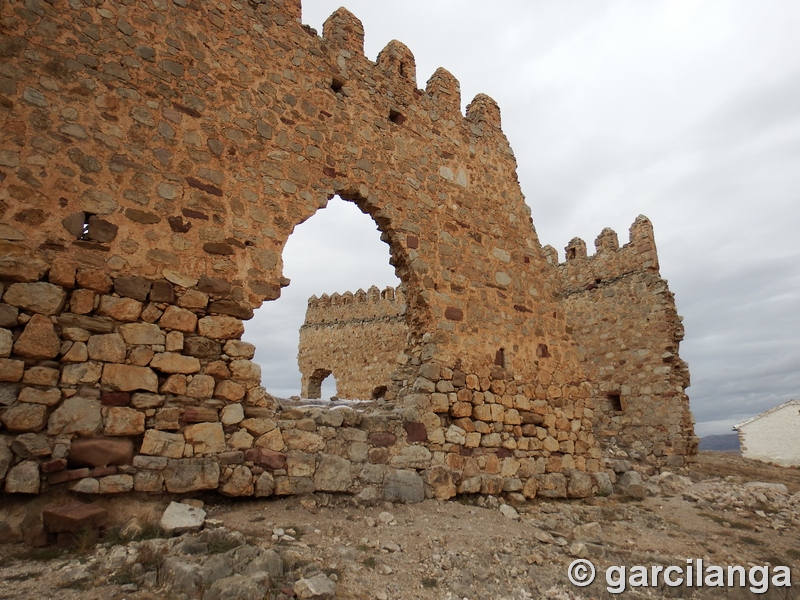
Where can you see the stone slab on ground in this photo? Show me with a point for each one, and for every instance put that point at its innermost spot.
(182, 518)
(73, 517)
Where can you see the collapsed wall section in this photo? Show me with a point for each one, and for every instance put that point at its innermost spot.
(358, 338)
(623, 319)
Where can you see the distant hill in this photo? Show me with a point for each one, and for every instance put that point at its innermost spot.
(727, 442)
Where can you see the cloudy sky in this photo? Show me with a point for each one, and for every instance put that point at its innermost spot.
(685, 111)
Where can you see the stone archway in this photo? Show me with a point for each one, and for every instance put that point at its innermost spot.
(312, 389)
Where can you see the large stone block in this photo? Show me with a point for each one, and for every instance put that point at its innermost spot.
(205, 438)
(240, 483)
(40, 297)
(39, 340)
(124, 421)
(191, 474)
(333, 474)
(171, 362)
(76, 416)
(220, 327)
(25, 417)
(49, 397)
(107, 348)
(121, 309)
(142, 334)
(100, 452)
(73, 517)
(402, 485)
(128, 378)
(11, 370)
(161, 443)
(6, 343)
(23, 478)
(179, 319)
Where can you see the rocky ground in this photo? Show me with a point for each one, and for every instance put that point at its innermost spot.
(724, 509)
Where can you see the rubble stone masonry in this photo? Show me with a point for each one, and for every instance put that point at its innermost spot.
(358, 338)
(155, 156)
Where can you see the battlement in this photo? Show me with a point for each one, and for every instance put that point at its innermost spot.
(390, 303)
(610, 261)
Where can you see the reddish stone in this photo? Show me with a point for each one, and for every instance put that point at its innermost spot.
(382, 438)
(412, 241)
(504, 453)
(101, 452)
(70, 475)
(453, 314)
(416, 431)
(115, 399)
(54, 465)
(103, 471)
(199, 414)
(266, 458)
(73, 517)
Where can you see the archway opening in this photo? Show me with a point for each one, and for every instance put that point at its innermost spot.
(332, 255)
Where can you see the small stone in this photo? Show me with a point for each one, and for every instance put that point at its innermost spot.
(49, 397)
(239, 349)
(121, 309)
(95, 280)
(11, 370)
(124, 421)
(161, 443)
(115, 484)
(229, 390)
(171, 362)
(107, 348)
(30, 445)
(100, 452)
(40, 297)
(23, 478)
(77, 353)
(206, 438)
(39, 340)
(128, 378)
(179, 319)
(181, 518)
(316, 587)
(133, 287)
(25, 417)
(73, 517)
(142, 334)
(221, 327)
(509, 512)
(232, 414)
(77, 415)
(201, 387)
(191, 474)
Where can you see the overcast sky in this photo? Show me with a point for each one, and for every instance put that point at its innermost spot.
(687, 112)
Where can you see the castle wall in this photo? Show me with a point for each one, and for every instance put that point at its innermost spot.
(623, 319)
(358, 338)
(154, 158)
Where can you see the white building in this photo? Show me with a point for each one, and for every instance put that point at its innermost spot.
(773, 436)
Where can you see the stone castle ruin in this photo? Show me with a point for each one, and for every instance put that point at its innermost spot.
(156, 155)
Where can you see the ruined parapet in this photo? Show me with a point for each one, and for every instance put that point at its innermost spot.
(358, 338)
(154, 160)
(623, 318)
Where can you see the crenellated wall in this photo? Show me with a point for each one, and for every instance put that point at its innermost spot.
(623, 319)
(155, 157)
(358, 338)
